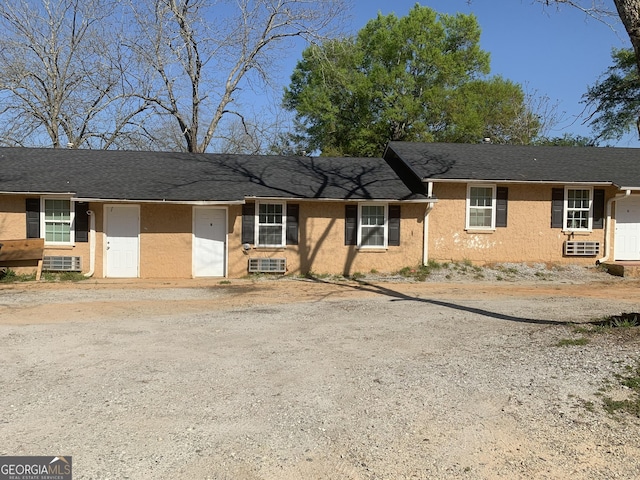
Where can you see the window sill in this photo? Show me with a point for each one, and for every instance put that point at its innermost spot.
(577, 232)
(373, 249)
(270, 249)
(478, 230)
(59, 246)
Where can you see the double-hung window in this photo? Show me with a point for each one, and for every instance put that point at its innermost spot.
(481, 207)
(271, 224)
(372, 231)
(578, 207)
(372, 225)
(57, 220)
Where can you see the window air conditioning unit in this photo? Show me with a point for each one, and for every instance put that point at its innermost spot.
(267, 265)
(62, 264)
(584, 249)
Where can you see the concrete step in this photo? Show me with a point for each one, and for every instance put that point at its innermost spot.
(623, 269)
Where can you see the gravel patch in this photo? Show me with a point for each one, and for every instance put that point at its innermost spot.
(457, 272)
(219, 383)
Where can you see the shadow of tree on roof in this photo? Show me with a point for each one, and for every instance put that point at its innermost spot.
(293, 177)
(399, 296)
(433, 165)
(238, 177)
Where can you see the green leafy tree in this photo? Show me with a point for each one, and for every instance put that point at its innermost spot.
(615, 99)
(421, 77)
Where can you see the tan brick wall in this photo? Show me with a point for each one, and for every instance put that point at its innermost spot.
(166, 236)
(165, 241)
(13, 223)
(321, 246)
(528, 236)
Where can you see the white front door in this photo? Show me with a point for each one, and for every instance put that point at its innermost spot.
(209, 241)
(627, 244)
(122, 240)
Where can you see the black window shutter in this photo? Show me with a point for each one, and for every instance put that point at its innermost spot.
(248, 223)
(33, 217)
(394, 226)
(293, 211)
(351, 225)
(82, 222)
(502, 194)
(598, 208)
(557, 207)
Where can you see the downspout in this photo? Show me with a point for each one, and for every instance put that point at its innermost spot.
(607, 227)
(425, 247)
(92, 243)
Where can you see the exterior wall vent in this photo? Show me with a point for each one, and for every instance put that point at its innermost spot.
(62, 264)
(267, 265)
(585, 249)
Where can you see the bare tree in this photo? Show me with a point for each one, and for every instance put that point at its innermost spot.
(199, 54)
(62, 75)
(545, 111)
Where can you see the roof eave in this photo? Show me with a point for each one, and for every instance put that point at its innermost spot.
(523, 182)
(159, 201)
(341, 200)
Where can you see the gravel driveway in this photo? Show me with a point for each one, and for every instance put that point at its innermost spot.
(316, 380)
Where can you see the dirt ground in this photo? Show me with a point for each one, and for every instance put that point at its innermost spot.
(304, 379)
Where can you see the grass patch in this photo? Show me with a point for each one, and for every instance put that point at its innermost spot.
(630, 382)
(572, 342)
(624, 320)
(433, 265)
(63, 276)
(510, 271)
(10, 276)
(624, 325)
(421, 272)
(626, 384)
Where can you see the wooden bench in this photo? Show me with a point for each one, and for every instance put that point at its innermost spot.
(32, 249)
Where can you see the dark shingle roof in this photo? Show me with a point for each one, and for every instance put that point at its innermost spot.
(195, 177)
(457, 161)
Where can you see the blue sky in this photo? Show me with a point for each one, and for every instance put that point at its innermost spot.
(550, 52)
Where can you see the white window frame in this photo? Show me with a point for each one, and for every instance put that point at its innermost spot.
(385, 226)
(283, 239)
(493, 188)
(43, 220)
(565, 214)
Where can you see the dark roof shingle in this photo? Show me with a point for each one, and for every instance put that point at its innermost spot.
(169, 176)
(457, 161)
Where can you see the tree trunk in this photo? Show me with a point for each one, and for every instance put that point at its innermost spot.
(629, 12)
